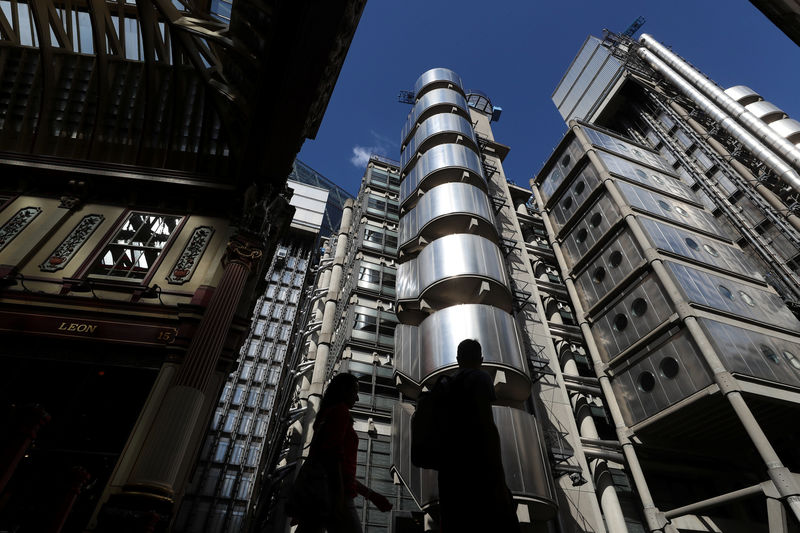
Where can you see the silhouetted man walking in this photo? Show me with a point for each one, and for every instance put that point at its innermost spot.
(473, 495)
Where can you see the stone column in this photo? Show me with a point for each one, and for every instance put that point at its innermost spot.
(29, 419)
(151, 485)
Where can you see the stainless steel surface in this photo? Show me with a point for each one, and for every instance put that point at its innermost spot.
(652, 380)
(659, 181)
(699, 248)
(673, 210)
(641, 309)
(434, 101)
(524, 460)
(743, 94)
(406, 359)
(579, 189)
(407, 280)
(732, 297)
(448, 208)
(755, 135)
(440, 334)
(458, 268)
(613, 264)
(760, 354)
(438, 129)
(437, 77)
(566, 161)
(441, 164)
(592, 226)
(766, 111)
(788, 128)
(627, 149)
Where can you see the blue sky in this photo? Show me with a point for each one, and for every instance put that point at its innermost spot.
(516, 52)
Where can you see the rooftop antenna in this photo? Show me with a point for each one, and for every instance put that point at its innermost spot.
(406, 97)
(634, 27)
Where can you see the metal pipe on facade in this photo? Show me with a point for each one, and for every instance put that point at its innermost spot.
(717, 500)
(323, 345)
(739, 167)
(733, 109)
(655, 522)
(783, 171)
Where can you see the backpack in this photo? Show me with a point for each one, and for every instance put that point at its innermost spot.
(429, 426)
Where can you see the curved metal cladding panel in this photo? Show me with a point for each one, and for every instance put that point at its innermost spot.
(608, 268)
(656, 378)
(660, 181)
(441, 164)
(732, 297)
(525, 461)
(641, 309)
(453, 268)
(627, 149)
(760, 354)
(766, 111)
(562, 166)
(678, 212)
(437, 100)
(437, 77)
(788, 128)
(446, 209)
(698, 247)
(407, 280)
(593, 225)
(743, 94)
(495, 329)
(406, 359)
(438, 129)
(421, 483)
(581, 187)
(522, 450)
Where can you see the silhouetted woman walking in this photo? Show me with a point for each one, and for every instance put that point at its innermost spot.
(335, 445)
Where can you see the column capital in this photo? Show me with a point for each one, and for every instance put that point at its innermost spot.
(244, 252)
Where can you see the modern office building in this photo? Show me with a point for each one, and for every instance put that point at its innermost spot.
(143, 162)
(670, 207)
(637, 306)
(219, 494)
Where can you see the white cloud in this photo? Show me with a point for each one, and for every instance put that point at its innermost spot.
(361, 155)
(381, 145)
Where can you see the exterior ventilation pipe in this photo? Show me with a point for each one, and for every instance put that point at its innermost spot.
(784, 172)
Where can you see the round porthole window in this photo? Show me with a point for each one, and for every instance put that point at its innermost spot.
(691, 243)
(669, 367)
(595, 220)
(792, 360)
(620, 322)
(622, 147)
(664, 205)
(746, 298)
(657, 178)
(615, 259)
(641, 173)
(646, 381)
(567, 203)
(581, 236)
(637, 152)
(681, 211)
(725, 291)
(599, 275)
(638, 307)
(770, 354)
(711, 250)
(579, 187)
(565, 160)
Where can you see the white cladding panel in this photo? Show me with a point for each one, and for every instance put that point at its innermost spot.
(590, 76)
(309, 203)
